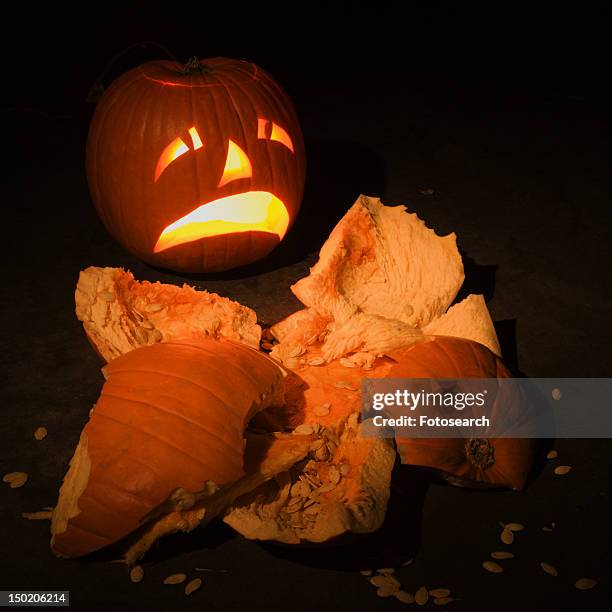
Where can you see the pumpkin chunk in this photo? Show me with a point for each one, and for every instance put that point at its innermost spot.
(120, 314)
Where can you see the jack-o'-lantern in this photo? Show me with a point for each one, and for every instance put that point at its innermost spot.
(196, 168)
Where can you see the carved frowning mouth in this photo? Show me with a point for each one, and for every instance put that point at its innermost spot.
(252, 211)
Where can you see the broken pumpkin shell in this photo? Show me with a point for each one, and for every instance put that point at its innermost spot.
(165, 427)
(465, 462)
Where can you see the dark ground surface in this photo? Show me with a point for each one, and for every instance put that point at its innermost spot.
(520, 165)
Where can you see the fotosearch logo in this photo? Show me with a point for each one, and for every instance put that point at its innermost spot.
(428, 399)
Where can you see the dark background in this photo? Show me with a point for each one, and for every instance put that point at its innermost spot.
(504, 113)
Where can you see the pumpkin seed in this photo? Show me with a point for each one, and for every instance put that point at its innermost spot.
(267, 346)
(507, 537)
(385, 582)
(137, 573)
(175, 579)
(345, 469)
(407, 563)
(584, 584)
(15, 479)
(421, 596)
(157, 335)
(366, 572)
(315, 361)
(297, 350)
(41, 515)
(304, 430)
(326, 488)
(442, 601)
(154, 307)
(352, 420)
(549, 569)
(322, 454)
(346, 362)
(300, 489)
(40, 433)
(404, 597)
(334, 476)
(322, 410)
(382, 592)
(193, 586)
(502, 554)
(312, 508)
(107, 296)
(494, 568)
(386, 570)
(438, 593)
(562, 470)
(514, 526)
(344, 384)
(552, 454)
(147, 325)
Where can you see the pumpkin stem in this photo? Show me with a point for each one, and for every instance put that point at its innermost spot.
(480, 452)
(193, 66)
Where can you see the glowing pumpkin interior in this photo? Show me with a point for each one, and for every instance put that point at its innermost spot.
(259, 211)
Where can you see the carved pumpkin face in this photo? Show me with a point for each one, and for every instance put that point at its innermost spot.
(196, 169)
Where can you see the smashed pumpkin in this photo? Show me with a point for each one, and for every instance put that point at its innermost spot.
(166, 430)
(461, 461)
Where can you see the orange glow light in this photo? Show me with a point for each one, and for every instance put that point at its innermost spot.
(237, 165)
(251, 211)
(280, 135)
(261, 128)
(195, 138)
(174, 150)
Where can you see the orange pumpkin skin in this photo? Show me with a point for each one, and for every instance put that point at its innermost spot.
(206, 105)
(171, 415)
(479, 463)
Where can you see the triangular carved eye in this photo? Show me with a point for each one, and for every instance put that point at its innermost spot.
(267, 130)
(195, 138)
(237, 165)
(175, 149)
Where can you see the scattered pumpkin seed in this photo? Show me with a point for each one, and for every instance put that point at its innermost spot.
(346, 362)
(552, 454)
(316, 361)
(442, 601)
(40, 433)
(494, 568)
(41, 515)
(366, 572)
(561, 470)
(507, 537)
(383, 592)
(407, 563)
(137, 573)
(386, 570)
(385, 582)
(421, 596)
(175, 579)
(549, 569)
(584, 584)
(304, 430)
(322, 410)
(193, 586)
(155, 307)
(344, 384)
(514, 526)
(437, 593)
(404, 597)
(502, 554)
(15, 479)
